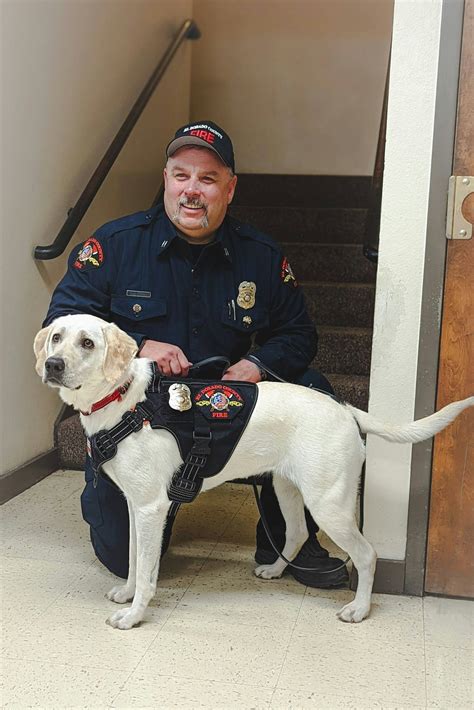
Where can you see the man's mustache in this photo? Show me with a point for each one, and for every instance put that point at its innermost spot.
(192, 202)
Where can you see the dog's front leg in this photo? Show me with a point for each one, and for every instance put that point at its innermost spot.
(149, 523)
(122, 593)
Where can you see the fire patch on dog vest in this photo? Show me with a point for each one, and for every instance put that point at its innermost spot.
(219, 401)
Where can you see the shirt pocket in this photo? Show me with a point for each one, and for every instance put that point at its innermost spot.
(138, 309)
(244, 321)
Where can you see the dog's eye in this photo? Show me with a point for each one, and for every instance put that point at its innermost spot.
(56, 338)
(87, 343)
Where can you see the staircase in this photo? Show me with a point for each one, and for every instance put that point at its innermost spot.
(319, 222)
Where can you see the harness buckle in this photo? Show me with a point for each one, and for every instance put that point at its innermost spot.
(145, 409)
(133, 420)
(103, 445)
(202, 445)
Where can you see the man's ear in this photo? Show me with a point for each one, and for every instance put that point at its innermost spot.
(119, 352)
(232, 186)
(39, 346)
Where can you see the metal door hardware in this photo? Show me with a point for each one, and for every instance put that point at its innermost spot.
(457, 226)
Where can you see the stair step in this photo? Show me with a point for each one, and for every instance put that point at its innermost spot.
(353, 389)
(337, 225)
(330, 262)
(344, 351)
(71, 443)
(340, 304)
(302, 190)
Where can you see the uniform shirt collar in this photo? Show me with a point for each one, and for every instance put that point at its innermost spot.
(168, 235)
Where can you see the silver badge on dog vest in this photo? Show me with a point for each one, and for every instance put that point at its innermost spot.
(180, 397)
(246, 297)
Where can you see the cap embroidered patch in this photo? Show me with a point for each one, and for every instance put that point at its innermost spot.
(287, 275)
(219, 401)
(90, 253)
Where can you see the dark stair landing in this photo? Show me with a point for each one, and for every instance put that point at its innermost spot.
(319, 221)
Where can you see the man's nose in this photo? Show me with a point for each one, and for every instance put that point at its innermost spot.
(54, 366)
(192, 187)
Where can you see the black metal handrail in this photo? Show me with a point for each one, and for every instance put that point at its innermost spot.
(372, 225)
(188, 30)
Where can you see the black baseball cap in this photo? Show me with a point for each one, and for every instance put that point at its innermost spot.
(206, 134)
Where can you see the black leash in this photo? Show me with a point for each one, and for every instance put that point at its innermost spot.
(259, 364)
(272, 542)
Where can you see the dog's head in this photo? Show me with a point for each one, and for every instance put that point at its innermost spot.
(82, 352)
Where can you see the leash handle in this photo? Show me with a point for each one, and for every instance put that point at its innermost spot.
(272, 542)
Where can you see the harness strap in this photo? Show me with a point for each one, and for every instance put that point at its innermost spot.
(104, 444)
(186, 482)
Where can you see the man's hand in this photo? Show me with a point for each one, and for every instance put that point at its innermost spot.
(244, 371)
(170, 359)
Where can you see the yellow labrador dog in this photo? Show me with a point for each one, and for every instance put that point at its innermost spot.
(316, 459)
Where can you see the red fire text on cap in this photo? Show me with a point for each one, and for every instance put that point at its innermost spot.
(205, 135)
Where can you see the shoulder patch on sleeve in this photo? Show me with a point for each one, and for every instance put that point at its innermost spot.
(286, 273)
(90, 255)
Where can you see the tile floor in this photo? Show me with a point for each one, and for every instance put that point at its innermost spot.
(215, 636)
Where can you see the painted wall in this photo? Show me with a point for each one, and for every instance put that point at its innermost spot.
(70, 73)
(298, 84)
(403, 235)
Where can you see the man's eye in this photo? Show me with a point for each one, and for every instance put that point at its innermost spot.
(87, 343)
(208, 180)
(181, 176)
(56, 338)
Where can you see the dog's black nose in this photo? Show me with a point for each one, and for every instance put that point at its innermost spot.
(54, 366)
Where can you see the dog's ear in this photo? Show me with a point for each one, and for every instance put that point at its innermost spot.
(39, 346)
(119, 352)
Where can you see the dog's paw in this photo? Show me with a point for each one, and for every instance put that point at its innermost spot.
(124, 619)
(120, 594)
(268, 571)
(353, 613)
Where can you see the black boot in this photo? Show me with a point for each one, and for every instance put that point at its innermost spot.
(328, 572)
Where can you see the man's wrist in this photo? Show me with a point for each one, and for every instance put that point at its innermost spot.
(262, 372)
(141, 346)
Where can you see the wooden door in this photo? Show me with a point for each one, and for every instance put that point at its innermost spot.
(450, 554)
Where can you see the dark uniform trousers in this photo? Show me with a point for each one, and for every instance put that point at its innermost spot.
(104, 508)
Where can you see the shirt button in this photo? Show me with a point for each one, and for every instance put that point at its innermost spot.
(148, 216)
(195, 292)
(195, 331)
(136, 308)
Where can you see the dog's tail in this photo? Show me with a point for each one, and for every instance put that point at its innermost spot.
(414, 432)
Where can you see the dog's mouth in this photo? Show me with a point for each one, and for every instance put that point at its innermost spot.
(53, 382)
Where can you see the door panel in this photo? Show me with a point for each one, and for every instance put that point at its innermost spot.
(450, 558)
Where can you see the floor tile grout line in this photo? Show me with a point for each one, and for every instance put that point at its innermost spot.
(424, 650)
(38, 613)
(288, 645)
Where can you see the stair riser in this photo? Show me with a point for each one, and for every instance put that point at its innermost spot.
(302, 190)
(344, 352)
(335, 304)
(334, 226)
(316, 262)
(353, 390)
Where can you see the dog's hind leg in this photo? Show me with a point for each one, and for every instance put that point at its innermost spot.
(149, 521)
(341, 527)
(122, 593)
(292, 508)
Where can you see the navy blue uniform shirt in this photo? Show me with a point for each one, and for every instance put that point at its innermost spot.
(138, 273)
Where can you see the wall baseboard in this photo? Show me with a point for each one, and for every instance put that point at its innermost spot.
(20, 479)
(389, 577)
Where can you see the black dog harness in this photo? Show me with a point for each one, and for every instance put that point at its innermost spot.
(206, 432)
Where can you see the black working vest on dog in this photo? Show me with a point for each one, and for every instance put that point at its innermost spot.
(206, 431)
